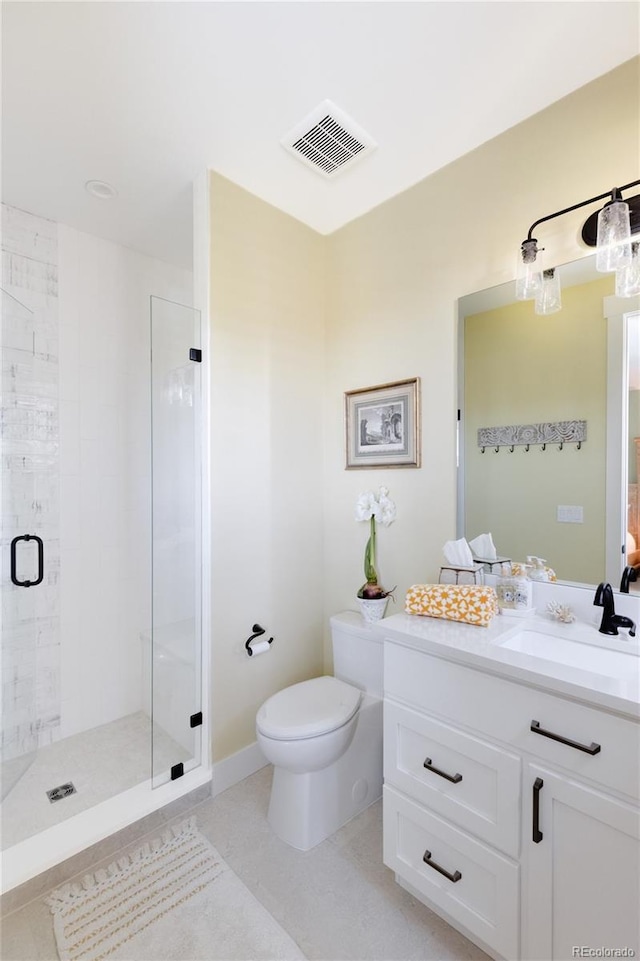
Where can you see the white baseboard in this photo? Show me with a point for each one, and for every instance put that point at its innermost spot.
(236, 768)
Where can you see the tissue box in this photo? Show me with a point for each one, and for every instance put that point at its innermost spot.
(470, 603)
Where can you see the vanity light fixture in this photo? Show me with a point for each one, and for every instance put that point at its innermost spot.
(628, 277)
(616, 250)
(548, 299)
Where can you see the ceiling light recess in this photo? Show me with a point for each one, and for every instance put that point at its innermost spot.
(328, 140)
(100, 189)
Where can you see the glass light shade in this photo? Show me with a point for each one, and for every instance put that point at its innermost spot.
(548, 298)
(614, 237)
(628, 277)
(528, 271)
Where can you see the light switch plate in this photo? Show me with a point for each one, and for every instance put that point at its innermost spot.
(570, 514)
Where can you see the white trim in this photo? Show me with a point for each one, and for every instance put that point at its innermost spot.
(201, 268)
(616, 311)
(236, 768)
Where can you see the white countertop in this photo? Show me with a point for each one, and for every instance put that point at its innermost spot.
(480, 648)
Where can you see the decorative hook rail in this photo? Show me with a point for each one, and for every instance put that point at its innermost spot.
(527, 435)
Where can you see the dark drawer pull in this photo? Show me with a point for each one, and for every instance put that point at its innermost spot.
(436, 867)
(454, 778)
(592, 748)
(537, 833)
(14, 560)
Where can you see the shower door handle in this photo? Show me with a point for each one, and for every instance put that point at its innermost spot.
(14, 546)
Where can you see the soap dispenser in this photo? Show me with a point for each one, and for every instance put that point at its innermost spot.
(538, 570)
(515, 592)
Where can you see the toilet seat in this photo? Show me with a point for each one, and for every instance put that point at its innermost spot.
(308, 709)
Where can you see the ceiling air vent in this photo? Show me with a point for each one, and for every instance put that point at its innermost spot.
(328, 140)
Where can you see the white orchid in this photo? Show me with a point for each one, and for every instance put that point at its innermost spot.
(367, 506)
(371, 507)
(387, 508)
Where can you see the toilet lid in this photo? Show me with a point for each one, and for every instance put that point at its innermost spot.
(308, 709)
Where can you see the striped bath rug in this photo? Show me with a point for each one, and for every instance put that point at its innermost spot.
(174, 898)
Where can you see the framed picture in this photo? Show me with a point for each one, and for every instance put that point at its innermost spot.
(383, 425)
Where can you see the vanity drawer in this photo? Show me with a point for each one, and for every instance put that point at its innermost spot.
(485, 898)
(466, 780)
(504, 710)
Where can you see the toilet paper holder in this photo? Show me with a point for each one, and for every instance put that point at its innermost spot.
(258, 632)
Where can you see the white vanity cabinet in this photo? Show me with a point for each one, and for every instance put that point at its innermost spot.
(581, 882)
(475, 766)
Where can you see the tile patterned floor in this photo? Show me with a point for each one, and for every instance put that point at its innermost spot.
(100, 763)
(337, 901)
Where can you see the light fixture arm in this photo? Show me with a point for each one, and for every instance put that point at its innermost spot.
(615, 194)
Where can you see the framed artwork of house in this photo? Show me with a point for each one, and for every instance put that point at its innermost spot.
(382, 425)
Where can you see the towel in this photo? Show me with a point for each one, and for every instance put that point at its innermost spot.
(471, 603)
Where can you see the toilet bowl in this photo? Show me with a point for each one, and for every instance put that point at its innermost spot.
(324, 739)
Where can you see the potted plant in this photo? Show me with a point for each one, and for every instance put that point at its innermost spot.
(372, 597)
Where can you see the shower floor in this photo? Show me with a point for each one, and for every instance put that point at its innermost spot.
(100, 763)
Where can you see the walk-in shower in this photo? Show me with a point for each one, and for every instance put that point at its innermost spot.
(101, 547)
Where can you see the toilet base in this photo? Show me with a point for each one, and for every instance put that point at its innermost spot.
(305, 809)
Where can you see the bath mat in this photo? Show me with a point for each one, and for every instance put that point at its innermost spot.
(174, 898)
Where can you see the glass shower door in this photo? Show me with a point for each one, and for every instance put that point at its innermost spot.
(176, 647)
(24, 456)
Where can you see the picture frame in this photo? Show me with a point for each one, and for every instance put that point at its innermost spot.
(382, 425)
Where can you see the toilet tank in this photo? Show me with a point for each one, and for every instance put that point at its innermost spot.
(357, 652)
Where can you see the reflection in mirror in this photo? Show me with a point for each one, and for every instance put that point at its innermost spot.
(519, 368)
(633, 472)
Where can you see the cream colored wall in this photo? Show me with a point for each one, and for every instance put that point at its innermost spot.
(396, 274)
(388, 285)
(521, 369)
(267, 363)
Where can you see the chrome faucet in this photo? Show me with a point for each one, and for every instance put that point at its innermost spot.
(629, 574)
(610, 620)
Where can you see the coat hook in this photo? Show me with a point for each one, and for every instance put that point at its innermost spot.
(482, 449)
(497, 449)
(544, 446)
(526, 450)
(511, 449)
(579, 445)
(561, 445)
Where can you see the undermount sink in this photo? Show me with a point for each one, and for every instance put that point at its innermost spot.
(573, 653)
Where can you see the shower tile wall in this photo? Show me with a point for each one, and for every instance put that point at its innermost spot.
(92, 342)
(30, 498)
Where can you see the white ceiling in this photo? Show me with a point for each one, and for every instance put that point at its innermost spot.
(145, 95)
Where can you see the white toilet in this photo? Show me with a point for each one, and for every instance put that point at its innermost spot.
(324, 739)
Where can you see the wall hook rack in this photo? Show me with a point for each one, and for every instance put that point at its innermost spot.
(526, 435)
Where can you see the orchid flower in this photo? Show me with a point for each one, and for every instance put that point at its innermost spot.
(371, 507)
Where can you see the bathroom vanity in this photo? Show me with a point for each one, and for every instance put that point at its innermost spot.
(512, 781)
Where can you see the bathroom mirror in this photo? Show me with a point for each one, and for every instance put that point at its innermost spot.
(568, 502)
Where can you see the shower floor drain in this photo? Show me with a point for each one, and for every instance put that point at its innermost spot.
(63, 790)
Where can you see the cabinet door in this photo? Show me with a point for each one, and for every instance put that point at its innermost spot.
(581, 861)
